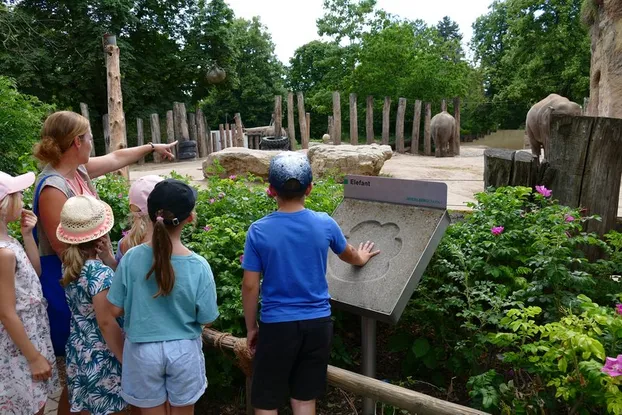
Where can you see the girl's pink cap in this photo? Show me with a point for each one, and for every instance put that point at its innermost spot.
(140, 190)
(10, 184)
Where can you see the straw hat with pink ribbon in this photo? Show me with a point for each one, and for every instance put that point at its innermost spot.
(84, 219)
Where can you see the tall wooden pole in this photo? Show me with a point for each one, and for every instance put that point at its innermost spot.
(414, 144)
(336, 118)
(170, 130)
(456, 143)
(291, 127)
(106, 125)
(116, 117)
(239, 133)
(369, 120)
(386, 119)
(140, 137)
(155, 134)
(399, 125)
(84, 109)
(354, 127)
(308, 123)
(302, 120)
(427, 136)
(278, 116)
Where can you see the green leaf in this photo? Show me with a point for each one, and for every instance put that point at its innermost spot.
(421, 347)
(562, 364)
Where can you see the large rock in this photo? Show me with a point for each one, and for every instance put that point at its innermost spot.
(240, 160)
(348, 159)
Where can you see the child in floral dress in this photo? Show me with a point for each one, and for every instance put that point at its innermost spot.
(27, 363)
(95, 345)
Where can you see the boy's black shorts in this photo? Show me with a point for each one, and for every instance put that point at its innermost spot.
(291, 357)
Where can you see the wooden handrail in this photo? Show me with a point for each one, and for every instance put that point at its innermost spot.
(414, 402)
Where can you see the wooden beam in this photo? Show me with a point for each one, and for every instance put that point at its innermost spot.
(336, 118)
(354, 127)
(308, 123)
(291, 126)
(427, 136)
(201, 136)
(170, 130)
(399, 125)
(192, 127)
(106, 125)
(302, 120)
(155, 134)
(221, 139)
(386, 119)
(84, 110)
(116, 115)
(369, 120)
(414, 144)
(278, 115)
(413, 402)
(140, 137)
(456, 143)
(239, 132)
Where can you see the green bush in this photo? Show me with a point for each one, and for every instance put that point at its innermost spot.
(21, 117)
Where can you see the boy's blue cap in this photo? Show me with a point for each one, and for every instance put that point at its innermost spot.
(290, 165)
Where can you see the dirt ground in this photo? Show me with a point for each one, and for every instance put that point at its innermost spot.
(463, 174)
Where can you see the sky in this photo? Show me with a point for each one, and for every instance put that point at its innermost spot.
(292, 22)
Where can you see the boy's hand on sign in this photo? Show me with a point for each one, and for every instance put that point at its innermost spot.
(251, 339)
(365, 252)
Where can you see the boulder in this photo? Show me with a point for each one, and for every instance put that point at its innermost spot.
(240, 160)
(348, 159)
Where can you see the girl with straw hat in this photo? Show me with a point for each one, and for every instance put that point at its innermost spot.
(95, 345)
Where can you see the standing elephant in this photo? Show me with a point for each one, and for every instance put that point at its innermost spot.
(443, 129)
(538, 122)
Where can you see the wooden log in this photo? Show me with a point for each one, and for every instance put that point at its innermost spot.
(155, 135)
(208, 136)
(227, 135)
(181, 122)
(170, 130)
(331, 127)
(201, 141)
(336, 137)
(291, 126)
(584, 155)
(257, 140)
(399, 125)
(84, 110)
(140, 137)
(192, 127)
(386, 119)
(524, 169)
(354, 127)
(278, 115)
(413, 402)
(509, 168)
(221, 137)
(302, 120)
(116, 116)
(443, 105)
(427, 136)
(308, 123)
(414, 144)
(456, 143)
(369, 120)
(106, 125)
(239, 136)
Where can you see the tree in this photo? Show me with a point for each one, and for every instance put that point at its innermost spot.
(449, 31)
(345, 18)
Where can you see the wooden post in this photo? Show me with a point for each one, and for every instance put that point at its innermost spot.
(336, 118)
(227, 135)
(456, 144)
(291, 127)
(221, 141)
(509, 168)
(369, 120)
(106, 133)
(414, 144)
(584, 156)
(116, 117)
(170, 130)
(386, 119)
(181, 122)
(308, 123)
(239, 136)
(209, 145)
(84, 109)
(443, 105)
(302, 120)
(155, 134)
(200, 138)
(192, 127)
(399, 126)
(354, 127)
(140, 137)
(278, 116)
(427, 136)
(331, 127)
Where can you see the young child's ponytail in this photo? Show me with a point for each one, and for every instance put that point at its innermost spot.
(73, 259)
(162, 251)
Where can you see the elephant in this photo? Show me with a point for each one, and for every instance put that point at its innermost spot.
(538, 122)
(443, 129)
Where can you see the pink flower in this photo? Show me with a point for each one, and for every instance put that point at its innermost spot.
(242, 258)
(544, 191)
(221, 195)
(613, 367)
(569, 218)
(233, 177)
(211, 201)
(497, 230)
(207, 228)
(619, 309)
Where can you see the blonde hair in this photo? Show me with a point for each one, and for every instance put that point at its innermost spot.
(137, 232)
(8, 205)
(73, 259)
(57, 135)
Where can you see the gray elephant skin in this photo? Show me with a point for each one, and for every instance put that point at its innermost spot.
(443, 128)
(538, 122)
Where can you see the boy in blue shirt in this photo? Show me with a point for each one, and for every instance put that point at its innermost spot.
(290, 248)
